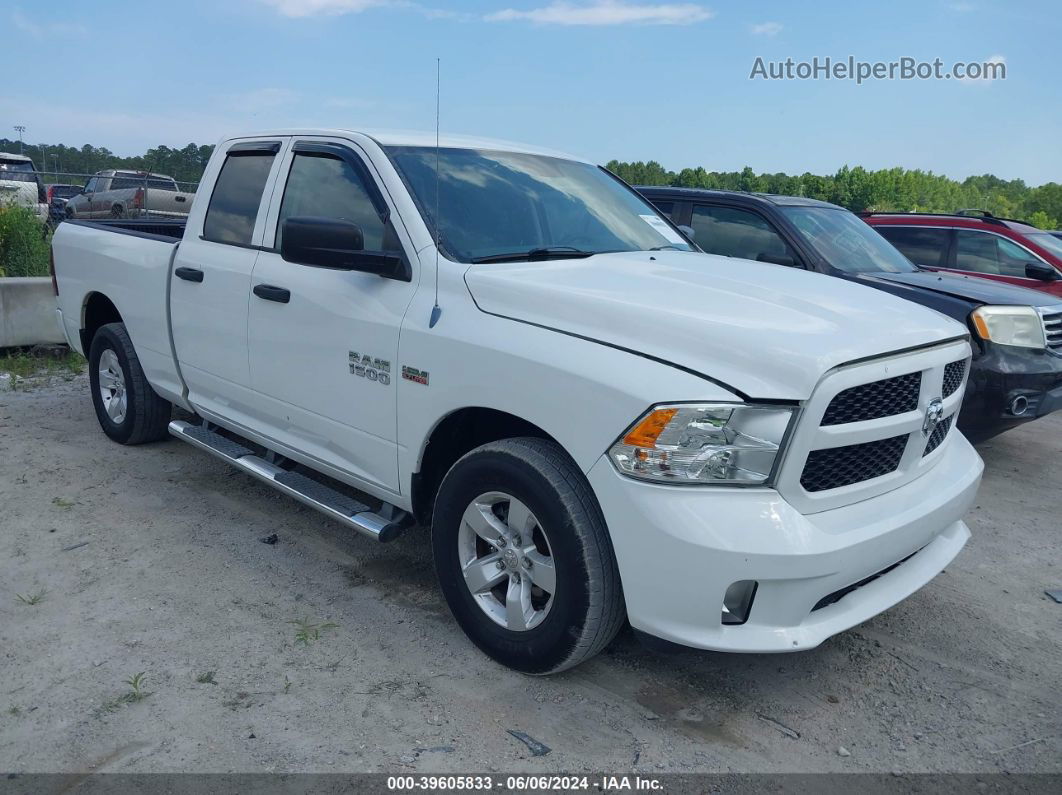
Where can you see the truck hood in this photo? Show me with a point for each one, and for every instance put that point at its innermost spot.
(972, 288)
(759, 329)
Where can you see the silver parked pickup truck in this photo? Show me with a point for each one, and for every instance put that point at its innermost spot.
(124, 194)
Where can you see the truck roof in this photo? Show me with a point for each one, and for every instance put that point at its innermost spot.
(13, 156)
(419, 138)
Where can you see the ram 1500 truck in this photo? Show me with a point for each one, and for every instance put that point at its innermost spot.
(512, 348)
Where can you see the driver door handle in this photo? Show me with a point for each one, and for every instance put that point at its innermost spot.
(271, 293)
(189, 274)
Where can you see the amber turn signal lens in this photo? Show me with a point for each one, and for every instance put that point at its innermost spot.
(645, 433)
(982, 327)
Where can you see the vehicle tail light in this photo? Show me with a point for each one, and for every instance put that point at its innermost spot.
(51, 188)
(51, 270)
(138, 198)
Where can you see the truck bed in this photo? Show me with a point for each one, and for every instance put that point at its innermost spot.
(150, 227)
(125, 263)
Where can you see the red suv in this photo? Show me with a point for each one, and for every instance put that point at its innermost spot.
(976, 243)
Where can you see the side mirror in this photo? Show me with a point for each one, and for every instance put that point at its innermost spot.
(336, 244)
(688, 231)
(777, 259)
(1041, 271)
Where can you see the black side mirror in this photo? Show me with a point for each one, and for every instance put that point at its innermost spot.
(1041, 271)
(332, 243)
(777, 259)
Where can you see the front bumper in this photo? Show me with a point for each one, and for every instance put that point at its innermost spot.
(680, 548)
(1002, 373)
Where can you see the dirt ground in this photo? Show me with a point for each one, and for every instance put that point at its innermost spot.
(150, 559)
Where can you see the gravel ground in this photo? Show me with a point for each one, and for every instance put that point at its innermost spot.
(150, 559)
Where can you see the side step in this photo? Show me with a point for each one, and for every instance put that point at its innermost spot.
(384, 525)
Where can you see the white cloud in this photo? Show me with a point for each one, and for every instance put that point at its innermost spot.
(988, 78)
(767, 29)
(312, 8)
(962, 7)
(607, 12)
(41, 30)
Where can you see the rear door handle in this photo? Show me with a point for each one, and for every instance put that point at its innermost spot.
(189, 274)
(271, 293)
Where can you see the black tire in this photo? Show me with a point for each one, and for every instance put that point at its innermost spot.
(588, 608)
(117, 212)
(147, 415)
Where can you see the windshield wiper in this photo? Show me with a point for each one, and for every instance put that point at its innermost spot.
(668, 246)
(546, 252)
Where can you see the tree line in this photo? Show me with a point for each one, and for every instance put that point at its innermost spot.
(887, 189)
(858, 189)
(184, 165)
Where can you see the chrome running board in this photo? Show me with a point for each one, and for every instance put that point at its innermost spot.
(383, 525)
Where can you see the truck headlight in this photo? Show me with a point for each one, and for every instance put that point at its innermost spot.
(723, 443)
(1010, 325)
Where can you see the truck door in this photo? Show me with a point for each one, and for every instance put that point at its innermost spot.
(324, 343)
(211, 280)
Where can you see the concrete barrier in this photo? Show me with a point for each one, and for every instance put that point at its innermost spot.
(27, 312)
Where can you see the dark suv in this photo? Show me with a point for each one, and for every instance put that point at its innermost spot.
(1016, 373)
(977, 243)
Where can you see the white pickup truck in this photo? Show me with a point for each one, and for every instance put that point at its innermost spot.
(512, 348)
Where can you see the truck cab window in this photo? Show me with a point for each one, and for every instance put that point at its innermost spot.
(237, 194)
(328, 187)
(738, 233)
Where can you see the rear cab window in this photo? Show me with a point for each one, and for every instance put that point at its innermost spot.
(237, 196)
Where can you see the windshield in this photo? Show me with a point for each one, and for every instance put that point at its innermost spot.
(17, 171)
(846, 242)
(495, 204)
(1047, 241)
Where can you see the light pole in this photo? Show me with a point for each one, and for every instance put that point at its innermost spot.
(20, 128)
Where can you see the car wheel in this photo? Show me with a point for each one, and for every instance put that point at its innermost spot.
(117, 212)
(524, 558)
(126, 406)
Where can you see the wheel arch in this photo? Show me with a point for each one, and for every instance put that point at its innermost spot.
(97, 310)
(454, 435)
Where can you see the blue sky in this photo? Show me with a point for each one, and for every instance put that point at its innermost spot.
(630, 79)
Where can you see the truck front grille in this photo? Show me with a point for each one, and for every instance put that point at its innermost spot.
(865, 430)
(953, 374)
(937, 436)
(875, 400)
(1053, 330)
(854, 463)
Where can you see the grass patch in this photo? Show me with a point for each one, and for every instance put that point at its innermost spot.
(136, 693)
(308, 633)
(31, 362)
(24, 243)
(33, 598)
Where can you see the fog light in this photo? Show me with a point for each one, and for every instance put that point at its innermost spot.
(738, 601)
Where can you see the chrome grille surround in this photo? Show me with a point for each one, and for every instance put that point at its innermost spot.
(1052, 319)
(810, 435)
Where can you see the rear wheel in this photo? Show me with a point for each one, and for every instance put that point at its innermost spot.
(126, 406)
(117, 211)
(524, 558)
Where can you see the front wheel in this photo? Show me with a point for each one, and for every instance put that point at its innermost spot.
(126, 406)
(524, 558)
